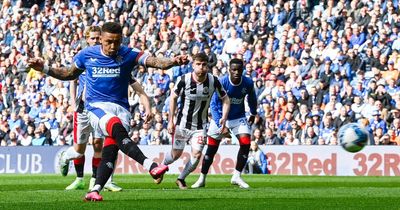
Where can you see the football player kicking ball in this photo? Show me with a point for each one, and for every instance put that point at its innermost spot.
(195, 90)
(237, 87)
(108, 70)
(82, 131)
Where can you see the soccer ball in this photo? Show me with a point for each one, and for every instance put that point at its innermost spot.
(353, 137)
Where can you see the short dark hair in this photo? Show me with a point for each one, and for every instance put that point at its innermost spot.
(236, 61)
(202, 57)
(111, 27)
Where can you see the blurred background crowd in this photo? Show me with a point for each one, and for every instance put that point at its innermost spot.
(316, 65)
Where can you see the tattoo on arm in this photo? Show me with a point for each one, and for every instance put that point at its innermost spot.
(64, 73)
(161, 63)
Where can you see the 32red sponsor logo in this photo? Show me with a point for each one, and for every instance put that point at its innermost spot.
(376, 164)
(301, 164)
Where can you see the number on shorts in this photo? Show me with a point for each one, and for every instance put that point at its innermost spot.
(200, 140)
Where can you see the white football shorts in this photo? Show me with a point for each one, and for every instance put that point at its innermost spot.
(101, 112)
(236, 127)
(197, 138)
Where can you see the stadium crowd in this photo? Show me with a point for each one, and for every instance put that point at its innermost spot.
(316, 65)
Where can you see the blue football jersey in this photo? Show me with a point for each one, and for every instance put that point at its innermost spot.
(237, 95)
(107, 78)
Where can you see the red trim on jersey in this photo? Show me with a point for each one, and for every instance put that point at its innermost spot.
(111, 122)
(138, 56)
(109, 141)
(212, 141)
(75, 128)
(244, 140)
(96, 162)
(79, 161)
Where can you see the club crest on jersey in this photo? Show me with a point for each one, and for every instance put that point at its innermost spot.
(119, 59)
(205, 91)
(244, 91)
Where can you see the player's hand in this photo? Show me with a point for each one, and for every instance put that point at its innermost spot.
(251, 119)
(223, 129)
(171, 128)
(147, 116)
(225, 132)
(35, 63)
(181, 59)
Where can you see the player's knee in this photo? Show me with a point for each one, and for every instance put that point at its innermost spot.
(244, 140)
(176, 154)
(110, 124)
(80, 148)
(212, 141)
(97, 145)
(197, 155)
(109, 141)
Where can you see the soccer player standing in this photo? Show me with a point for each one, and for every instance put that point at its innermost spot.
(108, 73)
(195, 91)
(237, 87)
(82, 131)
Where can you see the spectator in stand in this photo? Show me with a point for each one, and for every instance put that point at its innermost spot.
(257, 161)
(258, 137)
(377, 122)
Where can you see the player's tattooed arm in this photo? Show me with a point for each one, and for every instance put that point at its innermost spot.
(166, 63)
(61, 73)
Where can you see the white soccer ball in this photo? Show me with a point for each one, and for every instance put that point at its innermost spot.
(353, 137)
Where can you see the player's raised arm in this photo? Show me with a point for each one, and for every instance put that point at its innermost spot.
(144, 99)
(166, 63)
(61, 73)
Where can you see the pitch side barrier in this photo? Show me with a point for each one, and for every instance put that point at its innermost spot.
(282, 160)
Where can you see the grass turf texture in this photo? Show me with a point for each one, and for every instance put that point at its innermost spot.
(267, 192)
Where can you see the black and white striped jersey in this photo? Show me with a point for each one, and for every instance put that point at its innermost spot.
(195, 100)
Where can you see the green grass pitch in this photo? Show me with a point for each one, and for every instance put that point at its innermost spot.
(267, 192)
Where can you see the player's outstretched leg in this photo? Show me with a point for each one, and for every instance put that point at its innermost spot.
(66, 157)
(242, 156)
(79, 183)
(63, 164)
(208, 159)
(126, 145)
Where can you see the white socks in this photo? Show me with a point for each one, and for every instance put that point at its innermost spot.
(71, 154)
(202, 177)
(147, 164)
(189, 167)
(236, 173)
(168, 159)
